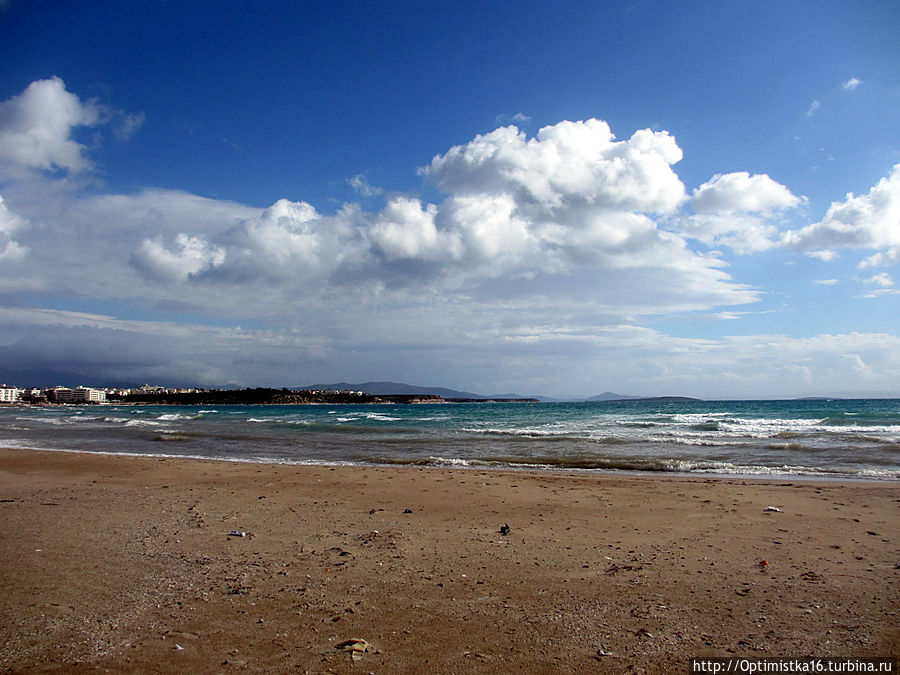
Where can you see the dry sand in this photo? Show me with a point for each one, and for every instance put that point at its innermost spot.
(126, 564)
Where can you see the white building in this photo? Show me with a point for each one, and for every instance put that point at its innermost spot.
(88, 395)
(8, 394)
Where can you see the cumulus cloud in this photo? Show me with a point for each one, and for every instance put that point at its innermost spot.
(813, 107)
(851, 84)
(404, 229)
(571, 201)
(188, 257)
(566, 164)
(870, 221)
(289, 240)
(36, 127)
(739, 191)
(736, 210)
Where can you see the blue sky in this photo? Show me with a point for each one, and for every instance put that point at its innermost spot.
(565, 198)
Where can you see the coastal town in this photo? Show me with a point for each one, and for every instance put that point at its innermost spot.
(149, 394)
(81, 394)
(38, 395)
(156, 394)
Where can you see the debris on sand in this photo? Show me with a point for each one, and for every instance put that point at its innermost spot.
(356, 646)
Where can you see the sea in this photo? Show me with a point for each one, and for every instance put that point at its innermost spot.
(841, 439)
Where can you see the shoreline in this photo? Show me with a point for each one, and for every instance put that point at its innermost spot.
(126, 562)
(525, 468)
(467, 466)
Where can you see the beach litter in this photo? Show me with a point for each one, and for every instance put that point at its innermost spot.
(237, 533)
(356, 646)
(407, 510)
(602, 651)
(504, 529)
(772, 508)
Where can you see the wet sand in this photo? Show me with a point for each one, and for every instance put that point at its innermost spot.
(126, 564)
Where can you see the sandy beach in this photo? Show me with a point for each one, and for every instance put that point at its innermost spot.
(127, 564)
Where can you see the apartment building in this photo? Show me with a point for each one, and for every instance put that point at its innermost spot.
(8, 394)
(88, 395)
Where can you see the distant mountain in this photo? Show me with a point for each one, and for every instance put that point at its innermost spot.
(394, 388)
(612, 396)
(44, 377)
(545, 399)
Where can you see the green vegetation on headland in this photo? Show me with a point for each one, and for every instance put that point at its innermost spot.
(264, 396)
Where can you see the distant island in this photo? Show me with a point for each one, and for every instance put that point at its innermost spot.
(612, 396)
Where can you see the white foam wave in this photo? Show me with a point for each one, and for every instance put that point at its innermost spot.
(117, 420)
(382, 417)
(450, 461)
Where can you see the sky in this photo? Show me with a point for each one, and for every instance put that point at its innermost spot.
(561, 199)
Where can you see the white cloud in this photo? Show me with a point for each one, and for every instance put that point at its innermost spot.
(882, 279)
(36, 127)
(813, 107)
(517, 118)
(550, 206)
(825, 255)
(127, 124)
(739, 191)
(188, 257)
(566, 165)
(363, 187)
(826, 282)
(851, 84)
(734, 210)
(289, 240)
(867, 221)
(889, 257)
(489, 229)
(10, 249)
(741, 232)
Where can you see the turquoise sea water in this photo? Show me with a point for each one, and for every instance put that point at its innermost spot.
(834, 438)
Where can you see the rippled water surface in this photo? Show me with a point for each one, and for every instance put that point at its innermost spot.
(839, 438)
